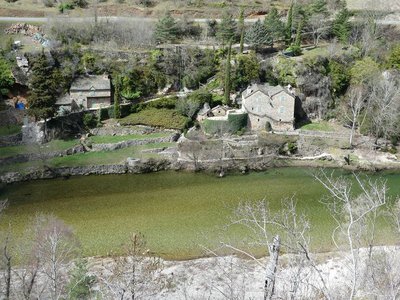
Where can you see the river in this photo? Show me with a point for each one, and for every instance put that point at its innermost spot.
(176, 211)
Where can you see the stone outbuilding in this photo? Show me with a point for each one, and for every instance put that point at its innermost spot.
(272, 105)
(219, 111)
(89, 92)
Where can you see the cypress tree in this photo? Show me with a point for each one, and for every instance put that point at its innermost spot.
(289, 24)
(227, 89)
(117, 108)
(297, 41)
(241, 29)
(42, 95)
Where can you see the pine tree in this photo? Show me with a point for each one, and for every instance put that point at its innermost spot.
(117, 95)
(79, 286)
(166, 29)
(341, 26)
(289, 24)
(227, 89)
(42, 95)
(274, 25)
(241, 29)
(226, 30)
(319, 7)
(258, 35)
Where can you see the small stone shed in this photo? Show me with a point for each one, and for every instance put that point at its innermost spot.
(90, 92)
(269, 104)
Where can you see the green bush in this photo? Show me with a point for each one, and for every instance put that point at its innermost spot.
(65, 6)
(89, 120)
(294, 50)
(103, 114)
(201, 96)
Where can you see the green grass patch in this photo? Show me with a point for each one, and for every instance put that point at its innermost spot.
(166, 118)
(104, 139)
(176, 211)
(318, 126)
(10, 129)
(54, 145)
(103, 157)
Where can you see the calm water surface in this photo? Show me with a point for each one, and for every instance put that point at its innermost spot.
(176, 211)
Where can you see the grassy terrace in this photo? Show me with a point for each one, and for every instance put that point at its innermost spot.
(88, 158)
(320, 126)
(166, 118)
(55, 145)
(9, 130)
(175, 211)
(105, 139)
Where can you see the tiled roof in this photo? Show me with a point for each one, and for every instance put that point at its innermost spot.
(85, 83)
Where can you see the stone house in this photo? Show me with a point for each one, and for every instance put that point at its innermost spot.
(89, 92)
(219, 111)
(269, 104)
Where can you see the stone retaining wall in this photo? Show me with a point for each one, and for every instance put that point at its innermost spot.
(132, 143)
(11, 140)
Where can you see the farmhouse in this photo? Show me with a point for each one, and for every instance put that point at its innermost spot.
(269, 107)
(89, 92)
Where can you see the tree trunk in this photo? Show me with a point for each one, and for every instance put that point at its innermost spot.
(271, 268)
(8, 271)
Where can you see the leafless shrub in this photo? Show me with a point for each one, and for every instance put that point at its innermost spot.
(123, 32)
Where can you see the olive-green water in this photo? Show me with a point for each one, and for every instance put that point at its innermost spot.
(176, 211)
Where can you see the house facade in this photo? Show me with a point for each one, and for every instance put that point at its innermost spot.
(269, 104)
(89, 92)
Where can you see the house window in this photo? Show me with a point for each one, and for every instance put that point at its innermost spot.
(282, 98)
(281, 109)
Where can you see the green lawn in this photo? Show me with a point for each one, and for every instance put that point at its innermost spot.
(105, 139)
(9, 130)
(54, 145)
(176, 211)
(166, 118)
(318, 126)
(103, 157)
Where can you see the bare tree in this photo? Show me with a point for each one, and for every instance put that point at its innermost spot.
(318, 26)
(357, 101)
(56, 246)
(136, 275)
(350, 211)
(385, 107)
(273, 230)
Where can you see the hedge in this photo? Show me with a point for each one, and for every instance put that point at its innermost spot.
(233, 124)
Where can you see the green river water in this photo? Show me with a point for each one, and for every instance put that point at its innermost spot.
(176, 211)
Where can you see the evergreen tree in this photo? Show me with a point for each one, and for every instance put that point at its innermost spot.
(79, 286)
(117, 95)
(289, 24)
(42, 95)
(6, 77)
(241, 29)
(166, 29)
(274, 25)
(227, 89)
(341, 26)
(258, 35)
(319, 7)
(226, 30)
(297, 41)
